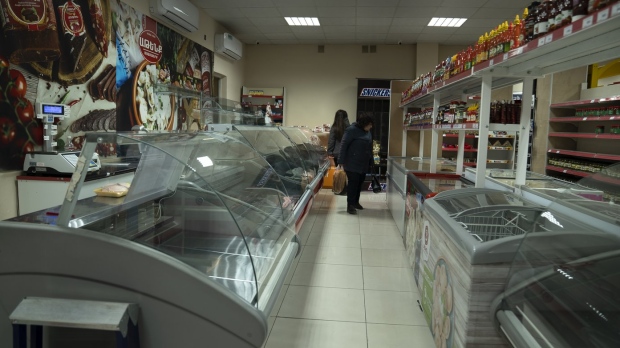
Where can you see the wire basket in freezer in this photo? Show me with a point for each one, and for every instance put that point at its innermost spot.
(493, 224)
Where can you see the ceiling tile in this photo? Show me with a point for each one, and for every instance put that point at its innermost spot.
(309, 37)
(471, 31)
(464, 3)
(415, 12)
(411, 21)
(307, 30)
(465, 39)
(337, 21)
(404, 38)
(213, 3)
(340, 36)
(331, 3)
(376, 12)
(251, 37)
(370, 37)
(285, 28)
(337, 42)
(497, 13)
(251, 3)
(298, 12)
(439, 30)
(262, 12)
(280, 36)
(284, 42)
(293, 3)
(455, 12)
(336, 12)
(378, 29)
(414, 3)
(433, 37)
(402, 29)
(486, 24)
(338, 29)
(258, 21)
(514, 4)
(371, 22)
(370, 3)
(221, 13)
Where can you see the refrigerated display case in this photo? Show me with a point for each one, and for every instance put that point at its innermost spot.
(464, 244)
(562, 291)
(397, 187)
(203, 235)
(588, 199)
(225, 111)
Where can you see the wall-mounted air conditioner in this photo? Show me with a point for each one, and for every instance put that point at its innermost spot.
(181, 13)
(228, 46)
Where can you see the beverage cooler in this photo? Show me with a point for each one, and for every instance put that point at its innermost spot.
(562, 291)
(200, 239)
(398, 187)
(461, 244)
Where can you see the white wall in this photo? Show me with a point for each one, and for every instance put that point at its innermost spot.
(318, 84)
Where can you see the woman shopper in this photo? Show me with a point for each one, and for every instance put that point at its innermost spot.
(341, 122)
(355, 157)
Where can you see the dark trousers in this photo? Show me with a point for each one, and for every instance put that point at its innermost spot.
(354, 187)
(335, 160)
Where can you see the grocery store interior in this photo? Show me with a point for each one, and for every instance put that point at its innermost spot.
(167, 179)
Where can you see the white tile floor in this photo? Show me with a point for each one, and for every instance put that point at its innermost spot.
(352, 286)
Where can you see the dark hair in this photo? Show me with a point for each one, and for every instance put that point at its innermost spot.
(363, 121)
(339, 124)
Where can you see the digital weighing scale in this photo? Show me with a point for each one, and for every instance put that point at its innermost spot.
(49, 161)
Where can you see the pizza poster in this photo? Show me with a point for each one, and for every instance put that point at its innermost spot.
(115, 67)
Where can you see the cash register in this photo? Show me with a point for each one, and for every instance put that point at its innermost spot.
(49, 161)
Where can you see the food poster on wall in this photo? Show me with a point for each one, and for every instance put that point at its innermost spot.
(85, 54)
(161, 74)
(50, 52)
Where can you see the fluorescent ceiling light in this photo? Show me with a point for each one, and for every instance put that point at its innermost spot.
(302, 21)
(446, 22)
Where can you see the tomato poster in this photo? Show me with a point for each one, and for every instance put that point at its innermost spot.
(115, 67)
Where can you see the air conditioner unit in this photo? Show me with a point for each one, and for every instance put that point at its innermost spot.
(228, 46)
(181, 13)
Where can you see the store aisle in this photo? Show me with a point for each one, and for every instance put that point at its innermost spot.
(351, 286)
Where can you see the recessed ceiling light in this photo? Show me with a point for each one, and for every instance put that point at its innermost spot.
(446, 22)
(302, 21)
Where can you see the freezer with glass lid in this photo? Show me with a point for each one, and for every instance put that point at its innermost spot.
(200, 239)
(562, 291)
(468, 239)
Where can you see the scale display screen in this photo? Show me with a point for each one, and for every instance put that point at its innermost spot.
(53, 109)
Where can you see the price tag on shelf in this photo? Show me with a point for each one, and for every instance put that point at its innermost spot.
(46, 137)
(612, 118)
(491, 62)
(585, 119)
(564, 171)
(557, 151)
(541, 41)
(615, 9)
(587, 22)
(505, 56)
(548, 38)
(568, 30)
(54, 127)
(603, 15)
(54, 143)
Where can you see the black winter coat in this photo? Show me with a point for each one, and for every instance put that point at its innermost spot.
(356, 149)
(333, 144)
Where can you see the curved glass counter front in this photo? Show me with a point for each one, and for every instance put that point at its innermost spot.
(562, 291)
(206, 199)
(309, 146)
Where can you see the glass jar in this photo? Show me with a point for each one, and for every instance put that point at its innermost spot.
(553, 10)
(542, 20)
(567, 12)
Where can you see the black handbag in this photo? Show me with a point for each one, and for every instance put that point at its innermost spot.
(376, 186)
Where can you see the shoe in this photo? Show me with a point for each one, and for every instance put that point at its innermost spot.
(358, 206)
(351, 210)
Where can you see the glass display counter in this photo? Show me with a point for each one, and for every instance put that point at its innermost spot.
(226, 111)
(461, 247)
(590, 199)
(562, 291)
(202, 234)
(397, 182)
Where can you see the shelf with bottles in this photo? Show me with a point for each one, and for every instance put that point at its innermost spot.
(583, 154)
(589, 37)
(457, 115)
(589, 103)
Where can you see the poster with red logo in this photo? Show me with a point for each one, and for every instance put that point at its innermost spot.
(114, 67)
